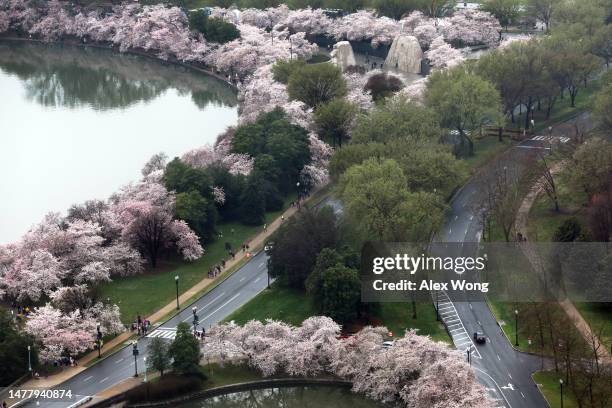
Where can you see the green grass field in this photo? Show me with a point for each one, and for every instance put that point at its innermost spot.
(548, 382)
(485, 150)
(600, 320)
(543, 220)
(146, 293)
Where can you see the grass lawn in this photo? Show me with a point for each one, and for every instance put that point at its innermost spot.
(599, 319)
(218, 376)
(548, 382)
(148, 292)
(294, 306)
(484, 150)
(289, 305)
(397, 317)
(543, 221)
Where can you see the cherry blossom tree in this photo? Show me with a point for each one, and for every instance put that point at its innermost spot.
(365, 25)
(441, 55)
(4, 21)
(309, 21)
(70, 333)
(471, 27)
(416, 372)
(316, 173)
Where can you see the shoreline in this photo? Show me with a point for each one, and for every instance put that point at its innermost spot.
(141, 53)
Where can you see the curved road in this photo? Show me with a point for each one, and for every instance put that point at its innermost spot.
(505, 372)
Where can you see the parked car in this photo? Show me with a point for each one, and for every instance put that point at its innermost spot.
(387, 344)
(480, 338)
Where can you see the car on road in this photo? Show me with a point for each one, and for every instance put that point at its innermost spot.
(480, 338)
(387, 344)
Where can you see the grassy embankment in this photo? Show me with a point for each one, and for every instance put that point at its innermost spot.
(146, 293)
(548, 382)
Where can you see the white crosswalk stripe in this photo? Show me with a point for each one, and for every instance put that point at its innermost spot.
(450, 317)
(169, 334)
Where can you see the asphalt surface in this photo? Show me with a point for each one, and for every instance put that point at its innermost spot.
(216, 305)
(506, 373)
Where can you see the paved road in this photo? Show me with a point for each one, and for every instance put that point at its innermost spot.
(213, 307)
(505, 372)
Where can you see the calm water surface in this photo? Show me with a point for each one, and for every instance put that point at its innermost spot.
(76, 124)
(292, 397)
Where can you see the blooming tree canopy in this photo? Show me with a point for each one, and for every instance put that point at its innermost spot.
(416, 371)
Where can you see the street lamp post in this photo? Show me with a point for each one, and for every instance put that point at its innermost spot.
(196, 319)
(516, 343)
(135, 352)
(176, 280)
(99, 340)
(561, 390)
(29, 361)
(469, 357)
(145, 368)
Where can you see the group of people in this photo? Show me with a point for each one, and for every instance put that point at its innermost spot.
(141, 325)
(66, 361)
(216, 270)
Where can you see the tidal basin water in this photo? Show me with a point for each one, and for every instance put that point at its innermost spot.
(290, 397)
(77, 123)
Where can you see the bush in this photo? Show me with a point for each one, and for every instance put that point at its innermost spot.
(169, 386)
(282, 69)
(383, 85)
(213, 29)
(316, 84)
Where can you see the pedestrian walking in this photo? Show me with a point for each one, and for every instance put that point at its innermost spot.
(265, 227)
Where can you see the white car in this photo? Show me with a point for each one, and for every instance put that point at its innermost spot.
(387, 344)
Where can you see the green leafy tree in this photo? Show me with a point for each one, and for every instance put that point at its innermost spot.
(253, 211)
(397, 119)
(340, 293)
(396, 8)
(158, 356)
(327, 258)
(282, 69)
(602, 105)
(333, 121)
(213, 29)
(378, 202)
(463, 101)
(316, 84)
(298, 242)
(506, 11)
(383, 85)
(568, 231)
(287, 144)
(14, 350)
(198, 212)
(543, 10)
(185, 351)
(592, 166)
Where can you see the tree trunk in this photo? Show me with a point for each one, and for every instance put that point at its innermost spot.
(573, 94)
(500, 134)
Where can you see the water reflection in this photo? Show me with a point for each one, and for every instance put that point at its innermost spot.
(291, 397)
(69, 76)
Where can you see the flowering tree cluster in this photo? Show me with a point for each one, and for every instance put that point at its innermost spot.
(256, 47)
(365, 25)
(63, 258)
(470, 27)
(415, 372)
(441, 55)
(262, 94)
(71, 333)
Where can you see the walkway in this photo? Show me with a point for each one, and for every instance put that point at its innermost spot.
(162, 314)
(521, 221)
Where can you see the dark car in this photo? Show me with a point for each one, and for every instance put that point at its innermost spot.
(480, 338)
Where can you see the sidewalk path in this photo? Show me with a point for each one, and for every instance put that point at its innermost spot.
(157, 317)
(568, 307)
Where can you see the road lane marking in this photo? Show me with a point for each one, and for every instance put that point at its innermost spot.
(223, 305)
(498, 357)
(257, 280)
(471, 306)
(118, 361)
(241, 279)
(214, 300)
(261, 264)
(88, 378)
(523, 395)
(497, 385)
(104, 379)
